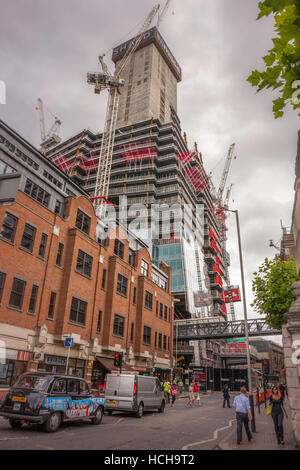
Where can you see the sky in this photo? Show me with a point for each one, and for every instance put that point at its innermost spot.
(48, 46)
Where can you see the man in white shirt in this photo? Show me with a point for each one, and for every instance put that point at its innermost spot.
(243, 414)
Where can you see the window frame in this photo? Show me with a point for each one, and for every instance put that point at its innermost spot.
(2, 283)
(25, 237)
(59, 256)
(121, 285)
(79, 303)
(148, 300)
(33, 298)
(85, 223)
(120, 326)
(87, 264)
(12, 230)
(51, 307)
(119, 248)
(17, 279)
(147, 337)
(43, 245)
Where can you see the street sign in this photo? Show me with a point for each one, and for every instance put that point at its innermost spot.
(68, 342)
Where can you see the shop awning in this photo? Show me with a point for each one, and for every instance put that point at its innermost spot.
(108, 364)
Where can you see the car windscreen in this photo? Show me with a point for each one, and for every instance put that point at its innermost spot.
(32, 382)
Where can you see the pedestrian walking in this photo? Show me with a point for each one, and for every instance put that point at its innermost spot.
(243, 414)
(191, 395)
(167, 390)
(180, 386)
(173, 393)
(281, 389)
(276, 401)
(226, 396)
(197, 394)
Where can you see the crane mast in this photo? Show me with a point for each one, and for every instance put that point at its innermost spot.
(51, 138)
(104, 80)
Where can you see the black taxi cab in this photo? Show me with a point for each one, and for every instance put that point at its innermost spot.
(49, 399)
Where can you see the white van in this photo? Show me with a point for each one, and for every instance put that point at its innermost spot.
(133, 393)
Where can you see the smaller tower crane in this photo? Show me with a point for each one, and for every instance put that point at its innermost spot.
(51, 138)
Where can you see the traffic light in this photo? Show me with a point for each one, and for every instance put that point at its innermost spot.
(266, 366)
(118, 359)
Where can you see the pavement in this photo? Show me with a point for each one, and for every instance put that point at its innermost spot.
(264, 438)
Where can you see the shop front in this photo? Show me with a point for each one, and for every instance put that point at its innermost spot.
(162, 373)
(57, 365)
(12, 366)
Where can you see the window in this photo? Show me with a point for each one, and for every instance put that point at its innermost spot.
(31, 308)
(37, 193)
(134, 296)
(159, 341)
(165, 343)
(168, 343)
(147, 335)
(83, 388)
(144, 268)
(99, 321)
(118, 326)
(119, 248)
(59, 254)
(84, 263)
(57, 208)
(52, 305)
(72, 386)
(166, 313)
(161, 310)
(78, 311)
(43, 245)
(59, 386)
(28, 237)
(9, 226)
(83, 222)
(2, 281)
(17, 293)
(132, 332)
(148, 300)
(131, 256)
(122, 285)
(103, 279)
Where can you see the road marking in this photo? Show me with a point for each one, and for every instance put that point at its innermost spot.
(216, 432)
(11, 438)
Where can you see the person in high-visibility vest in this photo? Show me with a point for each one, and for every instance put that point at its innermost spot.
(180, 385)
(167, 391)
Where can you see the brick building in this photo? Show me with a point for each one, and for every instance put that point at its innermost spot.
(271, 351)
(57, 277)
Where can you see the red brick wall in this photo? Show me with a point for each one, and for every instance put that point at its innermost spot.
(66, 282)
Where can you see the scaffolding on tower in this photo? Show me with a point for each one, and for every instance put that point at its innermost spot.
(194, 170)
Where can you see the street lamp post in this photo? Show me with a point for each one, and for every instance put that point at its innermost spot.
(245, 317)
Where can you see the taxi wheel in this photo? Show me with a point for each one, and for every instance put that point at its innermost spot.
(98, 416)
(16, 424)
(53, 422)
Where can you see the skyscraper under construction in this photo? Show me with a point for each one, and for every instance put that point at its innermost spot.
(153, 164)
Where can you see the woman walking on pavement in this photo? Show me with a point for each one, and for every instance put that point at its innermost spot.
(276, 401)
(173, 393)
(191, 395)
(197, 394)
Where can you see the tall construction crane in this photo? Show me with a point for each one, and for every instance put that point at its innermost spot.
(221, 206)
(106, 81)
(163, 12)
(51, 138)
